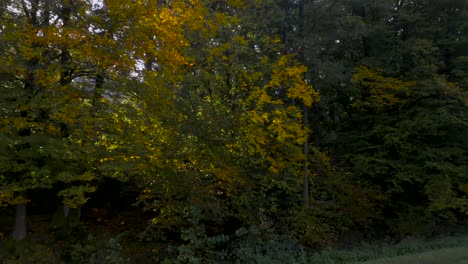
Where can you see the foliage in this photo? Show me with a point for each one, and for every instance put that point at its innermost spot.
(249, 129)
(93, 252)
(245, 246)
(394, 153)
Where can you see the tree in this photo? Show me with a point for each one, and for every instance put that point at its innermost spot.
(236, 131)
(39, 106)
(59, 57)
(410, 144)
(402, 42)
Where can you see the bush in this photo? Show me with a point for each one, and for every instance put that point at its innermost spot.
(97, 251)
(253, 245)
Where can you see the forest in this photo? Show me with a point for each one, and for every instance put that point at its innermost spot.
(229, 131)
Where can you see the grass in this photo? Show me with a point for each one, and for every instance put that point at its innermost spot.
(441, 250)
(440, 256)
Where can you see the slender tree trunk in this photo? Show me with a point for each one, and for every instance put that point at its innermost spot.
(78, 213)
(306, 162)
(19, 233)
(301, 56)
(65, 58)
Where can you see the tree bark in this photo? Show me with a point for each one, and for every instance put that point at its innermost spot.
(72, 215)
(306, 157)
(19, 233)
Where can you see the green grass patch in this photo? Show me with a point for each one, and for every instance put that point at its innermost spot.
(373, 252)
(440, 256)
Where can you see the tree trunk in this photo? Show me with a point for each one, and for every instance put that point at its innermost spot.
(19, 233)
(66, 210)
(72, 215)
(306, 156)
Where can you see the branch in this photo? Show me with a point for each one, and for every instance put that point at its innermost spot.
(25, 9)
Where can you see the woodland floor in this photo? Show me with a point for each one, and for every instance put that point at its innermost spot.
(99, 227)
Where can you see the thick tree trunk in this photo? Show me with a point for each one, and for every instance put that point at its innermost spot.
(72, 215)
(66, 210)
(19, 233)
